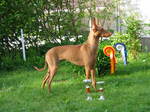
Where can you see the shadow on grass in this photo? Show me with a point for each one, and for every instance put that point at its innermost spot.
(132, 68)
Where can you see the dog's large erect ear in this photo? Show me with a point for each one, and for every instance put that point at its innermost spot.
(94, 23)
(98, 22)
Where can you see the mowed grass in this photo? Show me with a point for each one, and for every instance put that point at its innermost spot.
(128, 90)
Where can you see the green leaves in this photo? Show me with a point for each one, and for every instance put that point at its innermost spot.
(131, 37)
(46, 21)
(103, 61)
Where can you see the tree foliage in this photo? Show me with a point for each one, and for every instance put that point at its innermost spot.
(46, 21)
(131, 36)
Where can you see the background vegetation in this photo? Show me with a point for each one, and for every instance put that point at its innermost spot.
(131, 36)
(45, 24)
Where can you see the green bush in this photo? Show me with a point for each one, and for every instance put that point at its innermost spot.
(103, 61)
(10, 62)
(146, 31)
(15, 61)
(131, 37)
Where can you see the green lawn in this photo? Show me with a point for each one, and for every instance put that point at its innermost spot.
(126, 91)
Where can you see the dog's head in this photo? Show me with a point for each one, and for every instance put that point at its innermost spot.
(99, 31)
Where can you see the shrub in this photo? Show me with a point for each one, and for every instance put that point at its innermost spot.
(10, 62)
(131, 37)
(103, 62)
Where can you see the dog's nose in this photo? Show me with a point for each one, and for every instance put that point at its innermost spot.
(110, 33)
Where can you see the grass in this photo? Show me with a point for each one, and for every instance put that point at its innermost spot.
(128, 90)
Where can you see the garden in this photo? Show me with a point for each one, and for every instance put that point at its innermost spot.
(47, 24)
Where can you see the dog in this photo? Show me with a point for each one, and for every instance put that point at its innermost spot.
(82, 55)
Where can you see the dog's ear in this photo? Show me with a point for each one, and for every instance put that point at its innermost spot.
(94, 21)
(98, 22)
(94, 26)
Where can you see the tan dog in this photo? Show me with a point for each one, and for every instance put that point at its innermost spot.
(82, 55)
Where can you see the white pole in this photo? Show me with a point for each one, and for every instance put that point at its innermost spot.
(23, 46)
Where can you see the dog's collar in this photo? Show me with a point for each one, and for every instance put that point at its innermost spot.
(97, 33)
(93, 46)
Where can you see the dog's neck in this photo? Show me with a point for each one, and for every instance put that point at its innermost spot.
(93, 41)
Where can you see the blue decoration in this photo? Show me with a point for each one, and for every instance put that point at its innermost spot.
(122, 48)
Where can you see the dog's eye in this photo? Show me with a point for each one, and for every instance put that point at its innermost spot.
(102, 29)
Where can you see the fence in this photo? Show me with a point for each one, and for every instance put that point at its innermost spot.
(145, 44)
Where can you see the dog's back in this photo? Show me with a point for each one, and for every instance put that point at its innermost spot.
(72, 53)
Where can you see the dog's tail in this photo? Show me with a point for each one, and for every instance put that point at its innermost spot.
(40, 69)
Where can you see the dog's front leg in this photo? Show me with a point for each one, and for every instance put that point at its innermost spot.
(87, 71)
(93, 78)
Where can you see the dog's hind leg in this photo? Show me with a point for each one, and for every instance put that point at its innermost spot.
(53, 70)
(46, 78)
